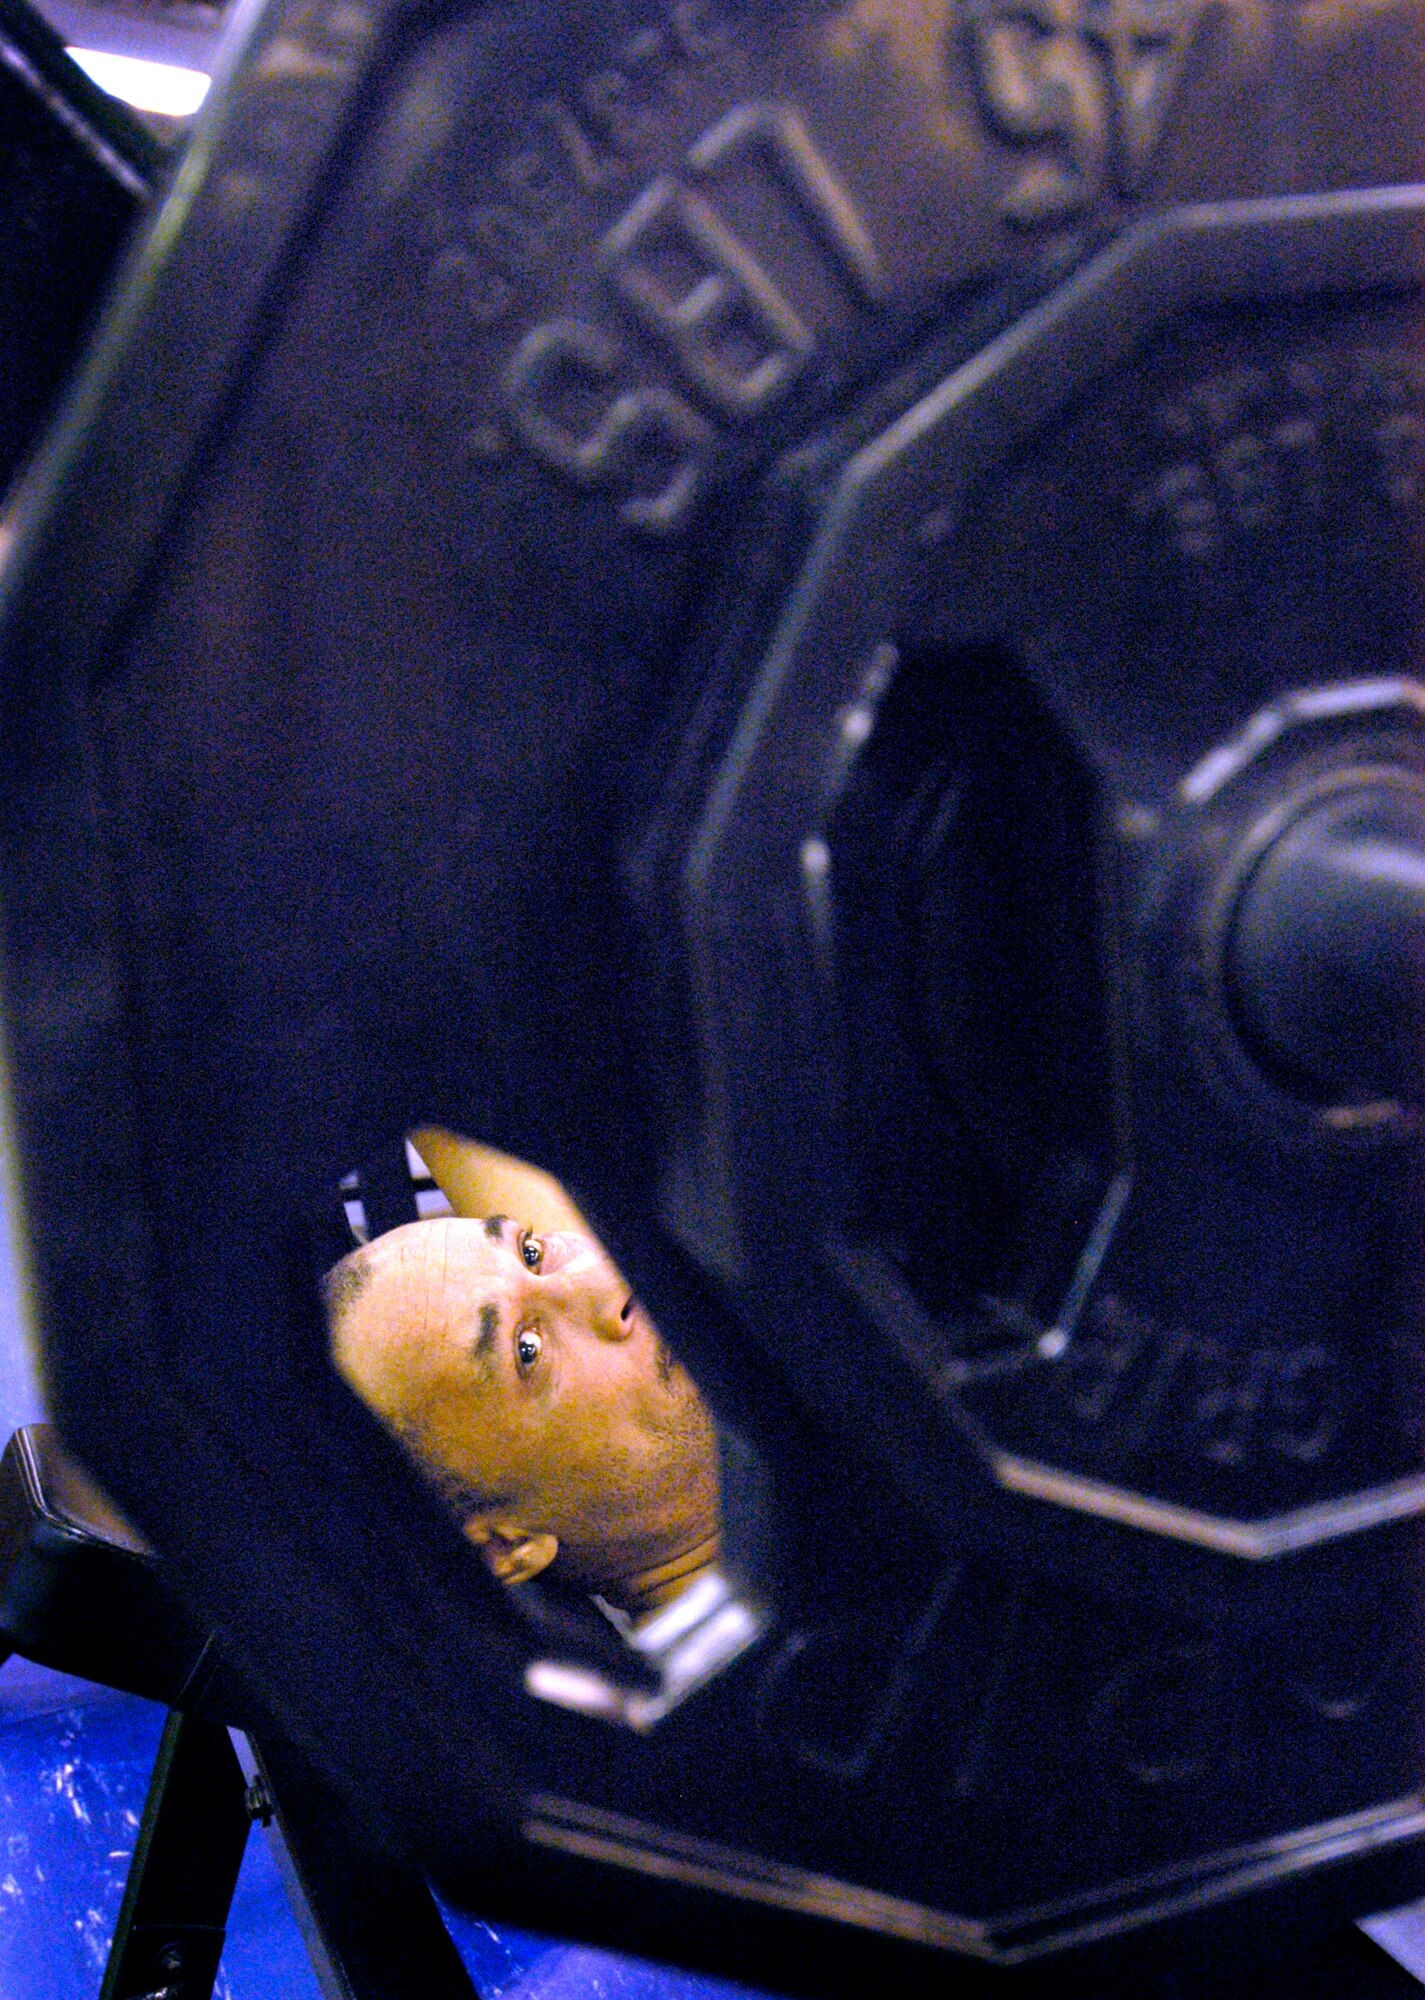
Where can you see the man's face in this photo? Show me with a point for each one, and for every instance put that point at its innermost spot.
(520, 1366)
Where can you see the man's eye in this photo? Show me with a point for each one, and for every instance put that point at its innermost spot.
(529, 1345)
(532, 1250)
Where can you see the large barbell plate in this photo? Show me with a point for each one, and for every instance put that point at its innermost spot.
(411, 715)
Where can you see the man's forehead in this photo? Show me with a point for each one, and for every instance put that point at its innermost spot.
(436, 1277)
(419, 1323)
(443, 1247)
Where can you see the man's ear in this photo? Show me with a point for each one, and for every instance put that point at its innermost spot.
(512, 1553)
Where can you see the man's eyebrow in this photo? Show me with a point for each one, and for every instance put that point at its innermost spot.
(495, 1225)
(489, 1327)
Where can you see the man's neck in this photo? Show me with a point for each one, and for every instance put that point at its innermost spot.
(642, 1592)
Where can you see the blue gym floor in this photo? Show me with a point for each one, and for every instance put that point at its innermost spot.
(74, 1765)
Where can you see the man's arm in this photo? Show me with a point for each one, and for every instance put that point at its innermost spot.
(479, 1181)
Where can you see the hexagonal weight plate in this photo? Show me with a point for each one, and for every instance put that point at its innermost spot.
(371, 633)
(1079, 631)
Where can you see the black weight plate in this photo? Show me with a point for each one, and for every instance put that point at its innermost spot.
(375, 630)
(1079, 634)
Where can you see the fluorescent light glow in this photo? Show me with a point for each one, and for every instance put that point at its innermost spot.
(148, 86)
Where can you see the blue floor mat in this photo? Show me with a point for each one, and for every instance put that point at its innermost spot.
(72, 1783)
(74, 1769)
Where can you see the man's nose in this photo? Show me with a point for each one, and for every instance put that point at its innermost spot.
(607, 1297)
(596, 1283)
(609, 1322)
